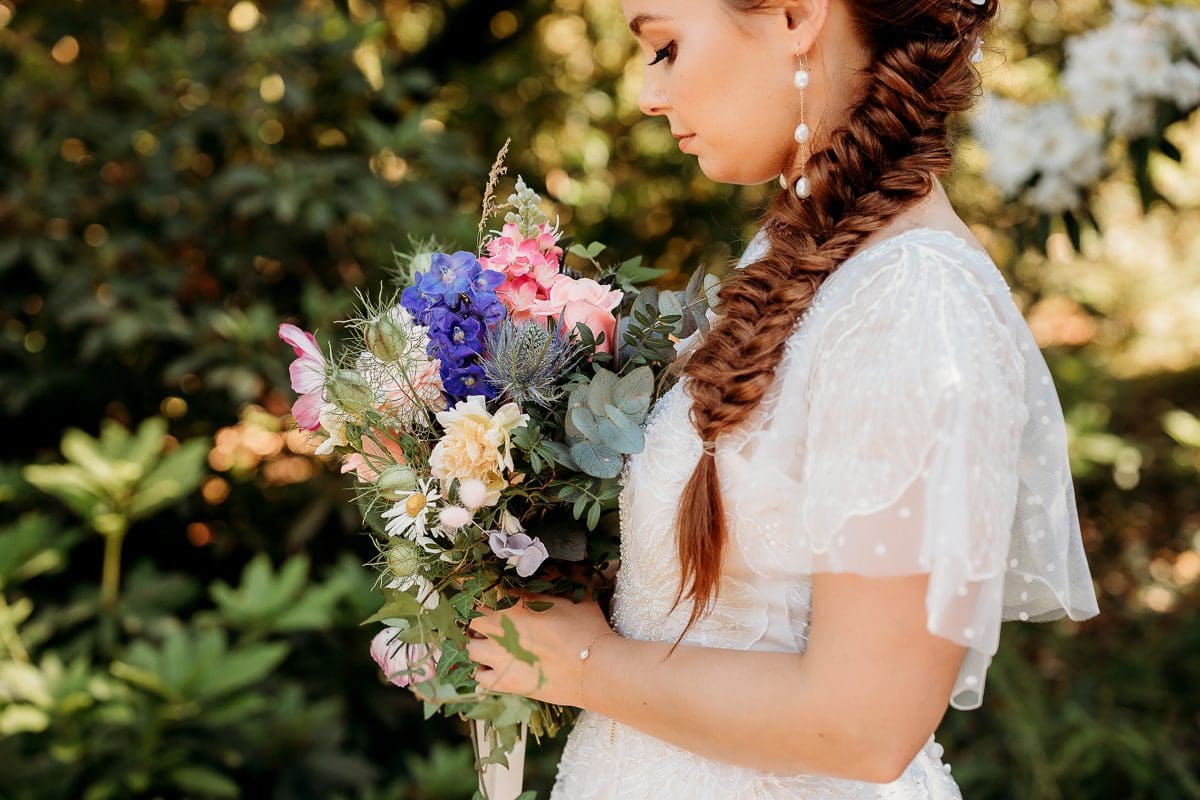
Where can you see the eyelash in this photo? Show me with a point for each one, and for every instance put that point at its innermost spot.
(666, 52)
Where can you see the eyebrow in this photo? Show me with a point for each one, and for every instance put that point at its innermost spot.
(637, 22)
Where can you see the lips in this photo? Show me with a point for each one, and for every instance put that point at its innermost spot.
(685, 140)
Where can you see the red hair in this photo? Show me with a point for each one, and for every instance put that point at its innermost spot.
(879, 162)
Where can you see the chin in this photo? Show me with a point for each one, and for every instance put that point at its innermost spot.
(737, 175)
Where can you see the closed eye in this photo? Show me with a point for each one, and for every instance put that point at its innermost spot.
(666, 52)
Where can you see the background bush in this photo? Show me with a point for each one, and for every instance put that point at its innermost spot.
(181, 582)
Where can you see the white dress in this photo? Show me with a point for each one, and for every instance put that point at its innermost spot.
(912, 427)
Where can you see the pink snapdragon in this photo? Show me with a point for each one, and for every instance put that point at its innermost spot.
(308, 375)
(529, 266)
(575, 300)
(403, 664)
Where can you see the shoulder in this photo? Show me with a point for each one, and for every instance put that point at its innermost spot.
(922, 307)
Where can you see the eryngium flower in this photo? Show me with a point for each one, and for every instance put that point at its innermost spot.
(525, 362)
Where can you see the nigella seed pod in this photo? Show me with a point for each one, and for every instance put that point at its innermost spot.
(386, 339)
(351, 392)
(404, 558)
(396, 482)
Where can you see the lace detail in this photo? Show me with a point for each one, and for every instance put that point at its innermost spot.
(911, 427)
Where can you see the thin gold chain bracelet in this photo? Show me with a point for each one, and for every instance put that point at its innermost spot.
(583, 656)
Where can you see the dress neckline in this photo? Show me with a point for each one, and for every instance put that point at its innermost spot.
(905, 235)
(909, 233)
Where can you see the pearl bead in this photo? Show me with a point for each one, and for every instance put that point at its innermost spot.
(803, 134)
(801, 79)
(783, 181)
(803, 187)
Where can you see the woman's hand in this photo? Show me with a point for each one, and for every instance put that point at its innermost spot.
(554, 636)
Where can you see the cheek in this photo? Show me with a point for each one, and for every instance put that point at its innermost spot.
(744, 118)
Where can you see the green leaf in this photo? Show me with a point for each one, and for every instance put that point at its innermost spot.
(619, 433)
(633, 271)
(400, 604)
(176, 476)
(590, 252)
(577, 399)
(445, 622)
(509, 641)
(597, 460)
(204, 781)
(670, 305)
(240, 669)
(632, 393)
(600, 390)
(584, 422)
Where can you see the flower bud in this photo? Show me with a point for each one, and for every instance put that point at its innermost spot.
(351, 392)
(386, 338)
(396, 482)
(454, 517)
(404, 558)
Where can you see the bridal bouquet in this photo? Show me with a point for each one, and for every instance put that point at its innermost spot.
(485, 407)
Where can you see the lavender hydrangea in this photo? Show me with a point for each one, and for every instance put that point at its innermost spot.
(456, 300)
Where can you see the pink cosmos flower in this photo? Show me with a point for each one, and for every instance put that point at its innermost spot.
(308, 375)
(575, 300)
(402, 664)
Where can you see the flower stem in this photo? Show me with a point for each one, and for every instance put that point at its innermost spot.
(110, 586)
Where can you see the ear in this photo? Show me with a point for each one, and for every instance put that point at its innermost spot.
(805, 19)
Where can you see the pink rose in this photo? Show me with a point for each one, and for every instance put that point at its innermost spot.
(308, 375)
(575, 300)
(402, 664)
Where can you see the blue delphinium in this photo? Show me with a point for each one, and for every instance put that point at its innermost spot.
(456, 300)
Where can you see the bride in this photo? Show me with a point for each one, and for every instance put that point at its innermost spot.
(862, 470)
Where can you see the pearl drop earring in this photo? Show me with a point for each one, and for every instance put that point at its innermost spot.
(803, 134)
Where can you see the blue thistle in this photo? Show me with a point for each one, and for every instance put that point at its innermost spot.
(526, 362)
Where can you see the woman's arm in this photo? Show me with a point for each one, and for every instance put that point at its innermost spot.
(859, 704)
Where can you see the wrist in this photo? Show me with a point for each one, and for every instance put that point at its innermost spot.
(588, 697)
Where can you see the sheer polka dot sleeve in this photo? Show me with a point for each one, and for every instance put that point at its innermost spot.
(921, 433)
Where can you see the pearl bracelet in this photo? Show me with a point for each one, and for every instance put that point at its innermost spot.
(583, 656)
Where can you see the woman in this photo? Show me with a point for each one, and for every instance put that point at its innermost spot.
(862, 470)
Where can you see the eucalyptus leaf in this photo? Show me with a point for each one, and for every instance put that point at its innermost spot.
(633, 392)
(618, 432)
(597, 460)
(600, 390)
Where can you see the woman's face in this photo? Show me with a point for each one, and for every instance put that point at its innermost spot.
(725, 78)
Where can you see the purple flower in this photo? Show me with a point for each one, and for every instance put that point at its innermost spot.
(465, 380)
(456, 300)
(487, 281)
(521, 551)
(451, 275)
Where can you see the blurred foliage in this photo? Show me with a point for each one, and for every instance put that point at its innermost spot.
(177, 177)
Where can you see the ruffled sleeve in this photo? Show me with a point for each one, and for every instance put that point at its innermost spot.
(903, 440)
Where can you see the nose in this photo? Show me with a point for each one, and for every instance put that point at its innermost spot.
(653, 99)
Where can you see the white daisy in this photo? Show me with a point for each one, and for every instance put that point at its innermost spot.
(425, 592)
(410, 514)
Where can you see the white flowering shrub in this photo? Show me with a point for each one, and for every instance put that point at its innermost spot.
(1127, 81)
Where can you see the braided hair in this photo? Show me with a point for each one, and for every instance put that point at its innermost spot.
(880, 161)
